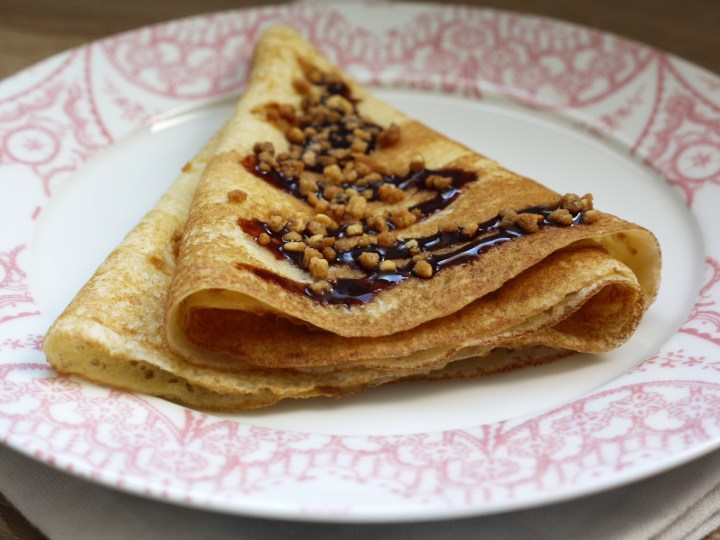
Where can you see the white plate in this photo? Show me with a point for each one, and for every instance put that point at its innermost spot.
(91, 138)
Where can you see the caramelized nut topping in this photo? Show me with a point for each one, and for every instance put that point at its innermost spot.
(386, 239)
(423, 269)
(276, 223)
(292, 236)
(295, 135)
(561, 216)
(329, 254)
(369, 259)
(529, 222)
(319, 287)
(308, 255)
(356, 206)
(354, 230)
(591, 216)
(295, 247)
(403, 218)
(390, 194)
(319, 268)
(360, 207)
(333, 173)
(438, 182)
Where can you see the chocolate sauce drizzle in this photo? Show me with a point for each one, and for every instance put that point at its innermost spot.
(413, 180)
(447, 249)
(335, 141)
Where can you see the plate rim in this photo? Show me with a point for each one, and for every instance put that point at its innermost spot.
(354, 515)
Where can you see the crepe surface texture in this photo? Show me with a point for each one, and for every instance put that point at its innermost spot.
(323, 243)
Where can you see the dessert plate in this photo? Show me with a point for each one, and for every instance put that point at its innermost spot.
(89, 140)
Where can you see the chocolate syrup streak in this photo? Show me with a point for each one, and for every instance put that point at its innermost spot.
(354, 291)
(415, 180)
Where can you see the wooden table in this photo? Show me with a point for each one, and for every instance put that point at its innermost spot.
(31, 30)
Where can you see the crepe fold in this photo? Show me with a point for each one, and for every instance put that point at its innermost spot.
(220, 319)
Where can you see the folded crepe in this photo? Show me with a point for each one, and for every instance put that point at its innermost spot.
(330, 243)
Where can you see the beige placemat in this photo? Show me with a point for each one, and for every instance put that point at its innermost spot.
(678, 505)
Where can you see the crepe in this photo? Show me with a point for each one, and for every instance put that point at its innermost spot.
(235, 302)
(111, 332)
(212, 318)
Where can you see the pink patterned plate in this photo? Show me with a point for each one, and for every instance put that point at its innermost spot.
(577, 109)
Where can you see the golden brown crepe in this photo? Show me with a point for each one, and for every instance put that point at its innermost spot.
(224, 310)
(217, 320)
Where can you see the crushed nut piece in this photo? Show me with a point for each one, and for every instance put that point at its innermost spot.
(571, 202)
(309, 158)
(333, 173)
(318, 268)
(297, 224)
(365, 241)
(291, 168)
(390, 193)
(412, 243)
(586, 202)
(324, 219)
(508, 218)
(307, 185)
(355, 229)
(316, 241)
(276, 223)
(423, 269)
(369, 259)
(387, 239)
(468, 231)
(295, 135)
(359, 146)
(362, 168)
(379, 223)
(329, 254)
(388, 266)
(294, 247)
(292, 236)
(591, 216)
(561, 216)
(339, 103)
(345, 244)
(361, 133)
(308, 255)
(403, 218)
(264, 239)
(437, 182)
(529, 222)
(316, 227)
(320, 287)
(356, 206)
(264, 147)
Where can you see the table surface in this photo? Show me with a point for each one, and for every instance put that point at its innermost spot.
(31, 30)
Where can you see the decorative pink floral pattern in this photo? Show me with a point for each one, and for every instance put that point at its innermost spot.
(55, 116)
(704, 320)
(15, 298)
